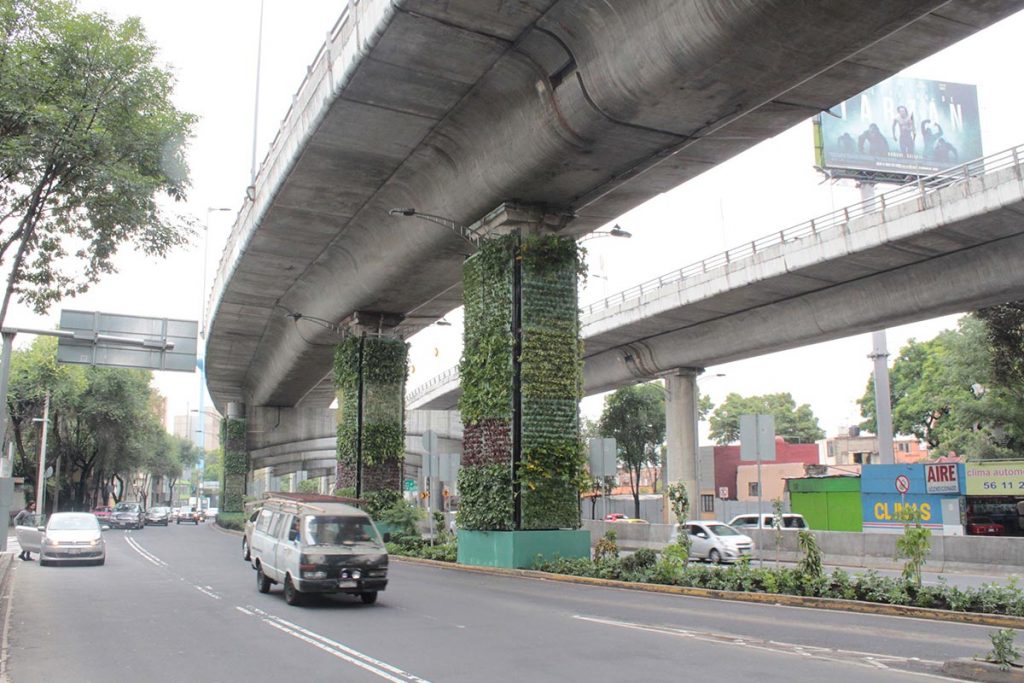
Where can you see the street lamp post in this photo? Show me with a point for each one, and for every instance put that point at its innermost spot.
(41, 474)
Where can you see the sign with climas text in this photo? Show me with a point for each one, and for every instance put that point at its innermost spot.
(942, 477)
(995, 479)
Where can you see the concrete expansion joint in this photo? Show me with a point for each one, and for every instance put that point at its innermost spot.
(835, 604)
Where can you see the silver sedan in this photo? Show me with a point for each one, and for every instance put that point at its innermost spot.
(72, 537)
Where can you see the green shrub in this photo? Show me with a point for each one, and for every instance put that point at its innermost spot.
(606, 547)
(231, 520)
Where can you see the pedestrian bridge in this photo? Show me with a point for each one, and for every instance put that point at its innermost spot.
(950, 243)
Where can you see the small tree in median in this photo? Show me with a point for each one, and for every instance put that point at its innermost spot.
(914, 545)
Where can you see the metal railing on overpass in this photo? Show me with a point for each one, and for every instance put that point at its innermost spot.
(836, 220)
(449, 375)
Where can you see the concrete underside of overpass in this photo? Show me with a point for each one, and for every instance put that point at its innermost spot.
(454, 108)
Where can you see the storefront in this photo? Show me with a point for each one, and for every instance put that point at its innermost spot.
(827, 503)
(931, 492)
(995, 494)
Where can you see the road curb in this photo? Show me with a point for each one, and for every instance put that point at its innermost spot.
(975, 618)
(977, 670)
(6, 586)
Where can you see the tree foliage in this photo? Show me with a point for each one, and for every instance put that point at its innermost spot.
(89, 139)
(104, 427)
(959, 392)
(797, 424)
(635, 417)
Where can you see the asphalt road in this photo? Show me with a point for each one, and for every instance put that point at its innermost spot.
(178, 604)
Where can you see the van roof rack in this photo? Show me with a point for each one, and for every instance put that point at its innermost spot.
(312, 498)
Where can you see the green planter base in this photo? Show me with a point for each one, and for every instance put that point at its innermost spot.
(520, 549)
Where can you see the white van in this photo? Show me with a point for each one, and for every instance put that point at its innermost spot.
(790, 520)
(317, 546)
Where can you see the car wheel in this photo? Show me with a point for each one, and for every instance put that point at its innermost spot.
(245, 550)
(292, 595)
(715, 557)
(368, 598)
(177, 521)
(262, 582)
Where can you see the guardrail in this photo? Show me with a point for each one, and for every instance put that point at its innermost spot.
(449, 375)
(831, 221)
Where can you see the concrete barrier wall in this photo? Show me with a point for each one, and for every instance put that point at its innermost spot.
(869, 550)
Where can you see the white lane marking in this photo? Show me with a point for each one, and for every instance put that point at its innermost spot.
(148, 556)
(333, 647)
(868, 659)
(206, 592)
(243, 610)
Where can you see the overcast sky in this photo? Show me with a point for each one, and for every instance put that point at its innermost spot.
(211, 47)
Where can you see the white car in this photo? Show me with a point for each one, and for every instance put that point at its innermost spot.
(72, 537)
(716, 542)
(766, 520)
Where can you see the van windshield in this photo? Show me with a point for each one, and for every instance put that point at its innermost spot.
(338, 530)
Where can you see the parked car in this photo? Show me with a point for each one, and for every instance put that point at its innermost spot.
(210, 513)
(614, 517)
(320, 547)
(103, 513)
(158, 515)
(72, 537)
(715, 542)
(984, 526)
(174, 513)
(250, 524)
(188, 515)
(634, 520)
(790, 520)
(127, 516)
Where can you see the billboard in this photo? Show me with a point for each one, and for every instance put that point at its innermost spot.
(995, 478)
(908, 126)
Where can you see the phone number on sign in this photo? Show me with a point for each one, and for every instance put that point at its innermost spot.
(1003, 485)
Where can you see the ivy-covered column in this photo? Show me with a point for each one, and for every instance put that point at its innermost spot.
(521, 376)
(369, 376)
(236, 460)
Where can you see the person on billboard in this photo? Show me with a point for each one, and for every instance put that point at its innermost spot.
(846, 144)
(904, 122)
(945, 153)
(877, 145)
(930, 135)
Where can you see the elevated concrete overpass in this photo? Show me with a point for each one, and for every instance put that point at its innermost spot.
(580, 110)
(950, 243)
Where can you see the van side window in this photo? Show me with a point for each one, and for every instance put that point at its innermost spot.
(275, 524)
(263, 523)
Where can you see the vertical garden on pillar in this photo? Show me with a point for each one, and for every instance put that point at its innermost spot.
(236, 465)
(539, 373)
(369, 376)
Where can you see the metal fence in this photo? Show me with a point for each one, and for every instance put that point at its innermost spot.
(836, 220)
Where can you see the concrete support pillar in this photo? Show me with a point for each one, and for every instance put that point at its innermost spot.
(370, 369)
(236, 459)
(681, 412)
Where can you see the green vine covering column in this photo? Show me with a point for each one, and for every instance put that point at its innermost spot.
(552, 384)
(485, 373)
(551, 379)
(384, 371)
(236, 465)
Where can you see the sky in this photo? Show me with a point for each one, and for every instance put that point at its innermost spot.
(211, 47)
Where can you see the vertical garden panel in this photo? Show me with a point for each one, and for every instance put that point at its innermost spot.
(552, 380)
(485, 371)
(378, 366)
(551, 459)
(236, 465)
